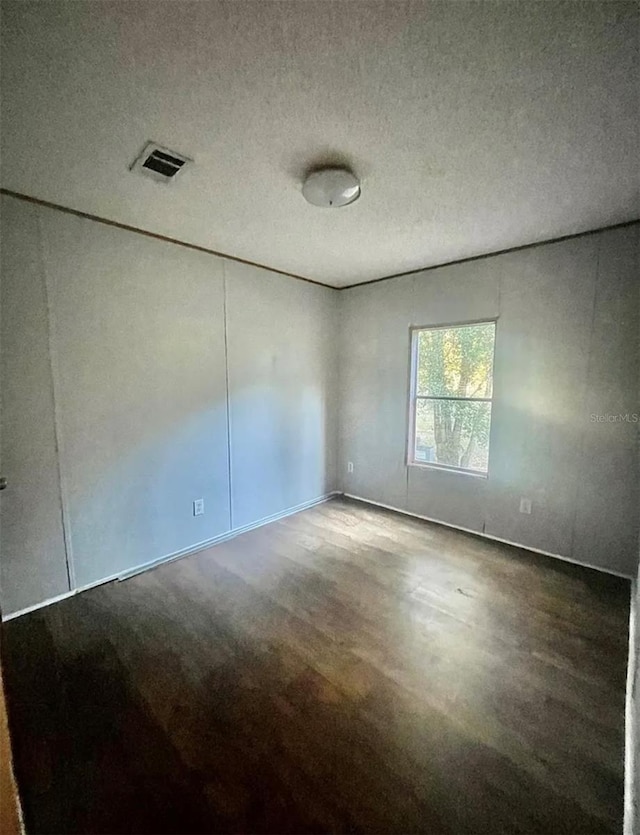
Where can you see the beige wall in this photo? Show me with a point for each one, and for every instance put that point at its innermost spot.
(138, 376)
(282, 391)
(32, 548)
(566, 348)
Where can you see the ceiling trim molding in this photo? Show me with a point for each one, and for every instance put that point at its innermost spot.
(98, 219)
(586, 232)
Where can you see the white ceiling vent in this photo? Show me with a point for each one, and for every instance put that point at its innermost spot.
(159, 163)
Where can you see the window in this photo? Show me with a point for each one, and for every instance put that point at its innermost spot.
(451, 394)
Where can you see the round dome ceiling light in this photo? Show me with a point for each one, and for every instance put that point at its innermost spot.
(331, 188)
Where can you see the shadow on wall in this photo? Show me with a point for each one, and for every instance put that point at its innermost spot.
(137, 507)
(279, 449)
(568, 464)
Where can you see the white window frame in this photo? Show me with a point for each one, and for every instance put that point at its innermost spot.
(414, 332)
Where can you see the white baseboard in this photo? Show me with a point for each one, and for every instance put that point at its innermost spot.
(631, 729)
(201, 546)
(224, 537)
(489, 536)
(33, 608)
(176, 555)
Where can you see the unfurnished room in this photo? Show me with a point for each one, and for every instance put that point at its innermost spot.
(320, 416)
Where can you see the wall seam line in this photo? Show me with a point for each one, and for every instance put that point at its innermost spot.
(227, 392)
(582, 444)
(55, 391)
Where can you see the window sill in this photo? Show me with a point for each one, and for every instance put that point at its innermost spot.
(441, 468)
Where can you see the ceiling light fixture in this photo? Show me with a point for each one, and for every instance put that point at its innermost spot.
(331, 188)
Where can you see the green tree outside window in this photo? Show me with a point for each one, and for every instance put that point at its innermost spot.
(453, 389)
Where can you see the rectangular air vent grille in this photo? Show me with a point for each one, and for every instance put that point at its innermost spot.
(160, 163)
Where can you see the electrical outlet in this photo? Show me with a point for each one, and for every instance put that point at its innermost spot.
(525, 505)
(198, 507)
(349, 466)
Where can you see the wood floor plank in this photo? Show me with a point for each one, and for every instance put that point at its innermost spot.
(346, 669)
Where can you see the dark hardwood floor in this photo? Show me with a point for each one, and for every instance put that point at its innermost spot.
(346, 669)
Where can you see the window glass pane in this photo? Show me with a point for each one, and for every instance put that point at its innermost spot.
(453, 432)
(456, 362)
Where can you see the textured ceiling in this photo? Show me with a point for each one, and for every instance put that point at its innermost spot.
(473, 126)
